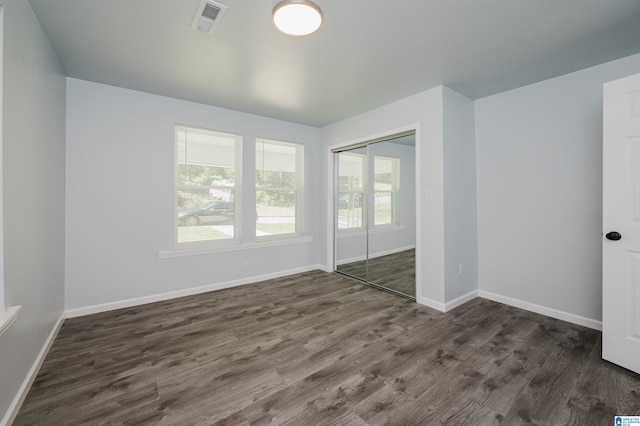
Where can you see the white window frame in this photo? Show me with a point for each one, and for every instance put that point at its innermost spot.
(394, 192)
(363, 193)
(300, 205)
(2, 305)
(237, 193)
(8, 314)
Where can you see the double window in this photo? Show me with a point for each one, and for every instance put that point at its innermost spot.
(209, 173)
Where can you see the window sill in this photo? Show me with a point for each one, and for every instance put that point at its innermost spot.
(167, 254)
(374, 231)
(8, 317)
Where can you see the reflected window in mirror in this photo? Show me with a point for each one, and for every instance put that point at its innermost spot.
(351, 191)
(386, 188)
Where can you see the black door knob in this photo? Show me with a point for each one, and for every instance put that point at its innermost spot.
(614, 236)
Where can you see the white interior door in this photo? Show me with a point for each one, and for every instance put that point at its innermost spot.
(621, 223)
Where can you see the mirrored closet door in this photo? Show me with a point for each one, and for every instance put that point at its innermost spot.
(375, 209)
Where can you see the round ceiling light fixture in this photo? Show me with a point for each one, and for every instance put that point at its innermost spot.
(297, 17)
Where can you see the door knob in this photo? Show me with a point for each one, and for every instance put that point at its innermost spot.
(614, 236)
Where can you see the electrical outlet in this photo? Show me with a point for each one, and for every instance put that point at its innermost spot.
(460, 269)
(245, 266)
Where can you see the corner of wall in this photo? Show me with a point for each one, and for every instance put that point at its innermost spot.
(460, 196)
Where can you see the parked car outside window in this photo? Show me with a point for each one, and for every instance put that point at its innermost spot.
(217, 212)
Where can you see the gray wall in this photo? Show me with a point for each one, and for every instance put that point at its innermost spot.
(120, 202)
(34, 193)
(460, 220)
(539, 177)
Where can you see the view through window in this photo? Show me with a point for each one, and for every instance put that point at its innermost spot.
(279, 184)
(207, 179)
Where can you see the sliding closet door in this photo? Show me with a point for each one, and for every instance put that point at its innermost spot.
(351, 213)
(391, 215)
(375, 213)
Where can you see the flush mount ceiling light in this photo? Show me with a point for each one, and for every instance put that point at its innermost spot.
(297, 17)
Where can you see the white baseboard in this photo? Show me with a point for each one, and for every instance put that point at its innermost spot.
(350, 260)
(460, 300)
(438, 306)
(543, 310)
(324, 268)
(527, 306)
(446, 307)
(377, 254)
(442, 307)
(104, 307)
(13, 409)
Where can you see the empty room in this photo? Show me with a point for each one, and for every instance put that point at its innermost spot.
(235, 212)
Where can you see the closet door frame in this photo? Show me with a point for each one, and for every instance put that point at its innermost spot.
(331, 213)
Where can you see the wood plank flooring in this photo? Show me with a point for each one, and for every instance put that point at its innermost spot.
(394, 271)
(322, 349)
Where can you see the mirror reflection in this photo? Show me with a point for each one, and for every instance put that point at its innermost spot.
(351, 205)
(375, 213)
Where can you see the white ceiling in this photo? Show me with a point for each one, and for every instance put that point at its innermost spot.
(366, 54)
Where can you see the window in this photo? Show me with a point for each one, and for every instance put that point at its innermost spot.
(351, 193)
(279, 188)
(207, 181)
(385, 189)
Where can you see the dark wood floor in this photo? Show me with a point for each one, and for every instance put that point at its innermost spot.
(396, 271)
(320, 349)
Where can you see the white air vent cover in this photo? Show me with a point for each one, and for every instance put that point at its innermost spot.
(208, 16)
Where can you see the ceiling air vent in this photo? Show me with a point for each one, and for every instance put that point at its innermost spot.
(208, 16)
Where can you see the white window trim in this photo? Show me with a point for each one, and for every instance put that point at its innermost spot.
(300, 204)
(168, 254)
(3, 313)
(237, 199)
(8, 317)
(351, 231)
(10, 314)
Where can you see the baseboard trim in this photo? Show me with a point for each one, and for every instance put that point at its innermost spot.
(446, 307)
(460, 300)
(378, 254)
(527, 306)
(442, 307)
(351, 260)
(324, 268)
(438, 306)
(543, 310)
(13, 409)
(104, 307)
